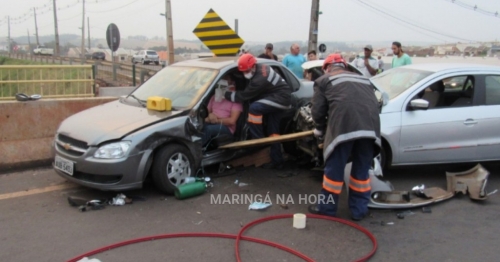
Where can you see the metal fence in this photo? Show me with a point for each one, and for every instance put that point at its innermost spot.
(50, 81)
(122, 73)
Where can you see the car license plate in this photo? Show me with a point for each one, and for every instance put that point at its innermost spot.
(64, 165)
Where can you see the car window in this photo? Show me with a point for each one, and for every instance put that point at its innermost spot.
(397, 80)
(152, 53)
(289, 78)
(182, 85)
(492, 90)
(454, 84)
(449, 92)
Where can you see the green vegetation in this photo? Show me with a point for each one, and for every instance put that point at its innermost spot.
(44, 75)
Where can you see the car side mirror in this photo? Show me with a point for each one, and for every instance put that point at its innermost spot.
(203, 111)
(419, 104)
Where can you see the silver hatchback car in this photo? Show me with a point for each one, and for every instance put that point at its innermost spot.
(146, 57)
(440, 113)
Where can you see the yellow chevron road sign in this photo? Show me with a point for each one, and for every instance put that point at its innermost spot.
(217, 35)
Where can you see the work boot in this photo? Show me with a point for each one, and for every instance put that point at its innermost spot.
(314, 209)
(273, 165)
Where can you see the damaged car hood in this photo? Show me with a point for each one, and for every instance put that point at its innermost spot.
(110, 121)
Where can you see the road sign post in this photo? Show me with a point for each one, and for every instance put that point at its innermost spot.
(113, 40)
(217, 35)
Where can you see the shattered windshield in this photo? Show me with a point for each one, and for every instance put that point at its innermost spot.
(396, 81)
(182, 85)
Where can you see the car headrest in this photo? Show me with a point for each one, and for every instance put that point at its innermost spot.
(437, 86)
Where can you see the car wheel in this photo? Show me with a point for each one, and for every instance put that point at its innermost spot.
(171, 166)
(157, 63)
(143, 62)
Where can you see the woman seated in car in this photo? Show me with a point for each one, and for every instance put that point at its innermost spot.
(223, 114)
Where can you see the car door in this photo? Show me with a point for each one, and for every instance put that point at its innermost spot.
(489, 118)
(446, 131)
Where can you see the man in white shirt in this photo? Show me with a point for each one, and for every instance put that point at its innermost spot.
(367, 64)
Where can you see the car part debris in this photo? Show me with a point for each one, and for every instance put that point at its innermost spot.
(119, 200)
(472, 181)
(86, 259)
(284, 206)
(382, 223)
(418, 190)
(243, 184)
(259, 206)
(426, 210)
(402, 215)
(84, 205)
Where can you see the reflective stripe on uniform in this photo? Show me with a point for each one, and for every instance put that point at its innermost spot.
(255, 119)
(359, 185)
(331, 186)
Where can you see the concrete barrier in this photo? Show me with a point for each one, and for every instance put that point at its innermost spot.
(27, 129)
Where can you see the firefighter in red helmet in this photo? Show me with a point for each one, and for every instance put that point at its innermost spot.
(346, 113)
(269, 96)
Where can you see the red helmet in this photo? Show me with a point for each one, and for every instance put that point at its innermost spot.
(332, 59)
(246, 62)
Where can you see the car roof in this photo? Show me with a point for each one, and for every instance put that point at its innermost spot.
(219, 62)
(436, 67)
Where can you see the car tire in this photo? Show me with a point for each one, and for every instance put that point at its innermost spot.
(172, 164)
(143, 62)
(157, 63)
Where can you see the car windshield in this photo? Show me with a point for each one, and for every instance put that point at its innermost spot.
(151, 53)
(182, 85)
(396, 81)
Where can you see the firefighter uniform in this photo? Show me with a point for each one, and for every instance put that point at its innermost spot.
(269, 95)
(346, 111)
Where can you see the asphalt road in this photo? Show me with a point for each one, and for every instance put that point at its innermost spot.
(37, 224)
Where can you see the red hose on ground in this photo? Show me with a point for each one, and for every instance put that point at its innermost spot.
(240, 237)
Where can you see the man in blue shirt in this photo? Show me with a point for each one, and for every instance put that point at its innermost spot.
(294, 61)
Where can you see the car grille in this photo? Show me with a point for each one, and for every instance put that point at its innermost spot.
(70, 145)
(100, 179)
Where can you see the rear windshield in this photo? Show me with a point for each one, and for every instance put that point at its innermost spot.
(151, 53)
(397, 80)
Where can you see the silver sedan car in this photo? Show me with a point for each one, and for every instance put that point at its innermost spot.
(439, 113)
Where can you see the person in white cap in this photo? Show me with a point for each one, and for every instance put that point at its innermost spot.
(367, 64)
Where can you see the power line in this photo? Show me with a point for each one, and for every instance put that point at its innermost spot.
(404, 25)
(413, 24)
(474, 8)
(111, 10)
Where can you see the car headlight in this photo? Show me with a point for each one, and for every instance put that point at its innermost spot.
(113, 150)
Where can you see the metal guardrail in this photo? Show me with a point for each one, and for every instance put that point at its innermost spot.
(50, 81)
(126, 71)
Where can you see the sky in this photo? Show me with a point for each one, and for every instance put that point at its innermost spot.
(266, 20)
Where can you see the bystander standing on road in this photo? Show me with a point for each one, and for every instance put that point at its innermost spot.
(367, 64)
(294, 61)
(346, 113)
(380, 64)
(268, 52)
(311, 55)
(400, 58)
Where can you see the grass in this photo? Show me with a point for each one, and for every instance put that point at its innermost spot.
(46, 89)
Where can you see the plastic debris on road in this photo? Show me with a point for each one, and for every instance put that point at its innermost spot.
(86, 259)
(259, 206)
(242, 184)
(119, 200)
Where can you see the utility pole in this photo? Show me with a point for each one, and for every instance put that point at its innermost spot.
(29, 42)
(313, 26)
(236, 26)
(55, 28)
(8, 38)
(82, 50)
(88, 29)
(170, 37)
(36, 27)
